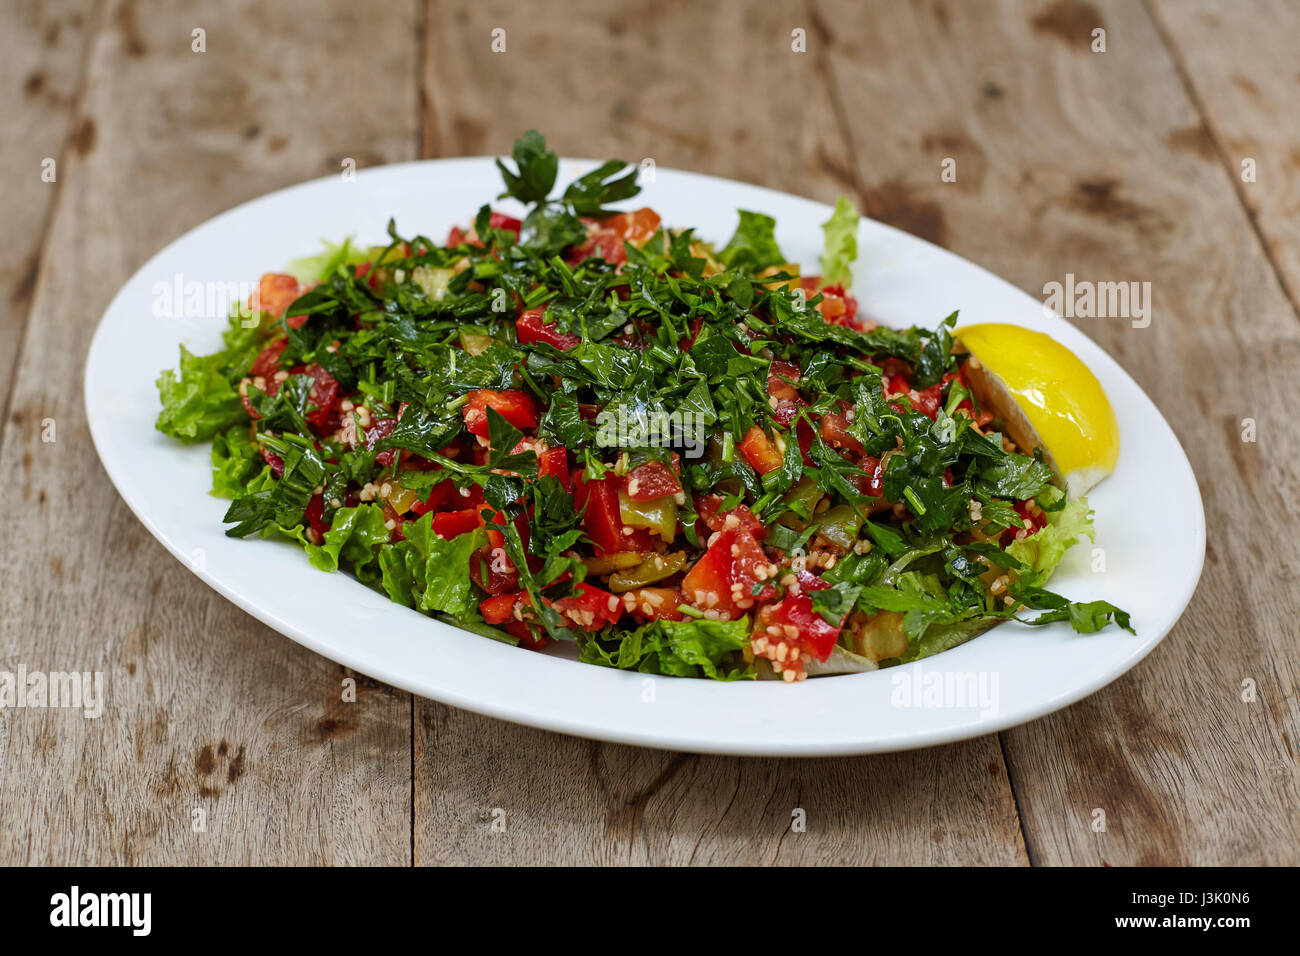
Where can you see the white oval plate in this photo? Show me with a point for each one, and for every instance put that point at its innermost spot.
(1152, 556)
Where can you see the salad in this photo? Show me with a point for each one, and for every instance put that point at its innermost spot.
(587, 425)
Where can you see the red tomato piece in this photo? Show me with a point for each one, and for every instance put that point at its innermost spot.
(555, 463)
(591, 608)
(652, 480)
(724, 577)
(514, 406)
(314, 514)
(776, 384)
(500, 220)
(760, 451)
(602, 521)
(531, 327)
(813, 633)
(499, 608)
(655, 604)
(452, 524)
(268, 362)
(440, 497)
(324, 393)
(490, 567)
(835, 432)
(534, 642)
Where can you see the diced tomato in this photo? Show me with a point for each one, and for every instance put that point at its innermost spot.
(499, 608)
(874, 482)
(815, 635)
(268, 362)
(452, 524)
(274, 460)
(439, 498)
(787, 411)
(724, 577)
(534, 642)
(810, 582)
(490, 567)
(707, 508)
(760, 451)
(590, 608)
(532, 327)
(835, 432)
(602, 522)
(636, 227)
(655, 604)
(498, 220)
(314, 513)
(455, 237)
(652, 480)
(555, 463)
(776, 384)
(605, 237)
(275, 293)
(927, 401)
(514, 406)
(323, 394)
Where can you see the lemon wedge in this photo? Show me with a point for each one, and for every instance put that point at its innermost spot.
(1046, 398)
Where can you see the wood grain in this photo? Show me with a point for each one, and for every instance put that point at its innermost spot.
(207, 709)
(1071, 161)
(44, 48)
(717, 89)
(1239, 62)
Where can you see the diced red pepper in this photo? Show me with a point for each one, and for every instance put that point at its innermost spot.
(531, 327)
(514, 406)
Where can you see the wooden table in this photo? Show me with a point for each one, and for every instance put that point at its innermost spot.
(1114, 166)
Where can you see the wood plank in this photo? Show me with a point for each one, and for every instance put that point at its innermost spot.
(713, 88)
(1240, 62)
(1088, 163)
(206, 708)
(492, 792)
(42, 51)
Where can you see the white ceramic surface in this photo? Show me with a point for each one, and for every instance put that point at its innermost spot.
(1152, 556)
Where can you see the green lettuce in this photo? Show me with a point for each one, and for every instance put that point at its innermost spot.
(753, 247)
(1043, 551)
(841, 245)
(429, 573)
(200, 401)
(235, 460)
(690, 648)
(351, 540)
(320, 267)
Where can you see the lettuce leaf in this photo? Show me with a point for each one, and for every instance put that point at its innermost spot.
(753, 247)
(1043, 551)
(430, 573)
(841, 243)
(320, 267)
(200, 401)
(351, 539)
(235, 460)
(690, 648)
